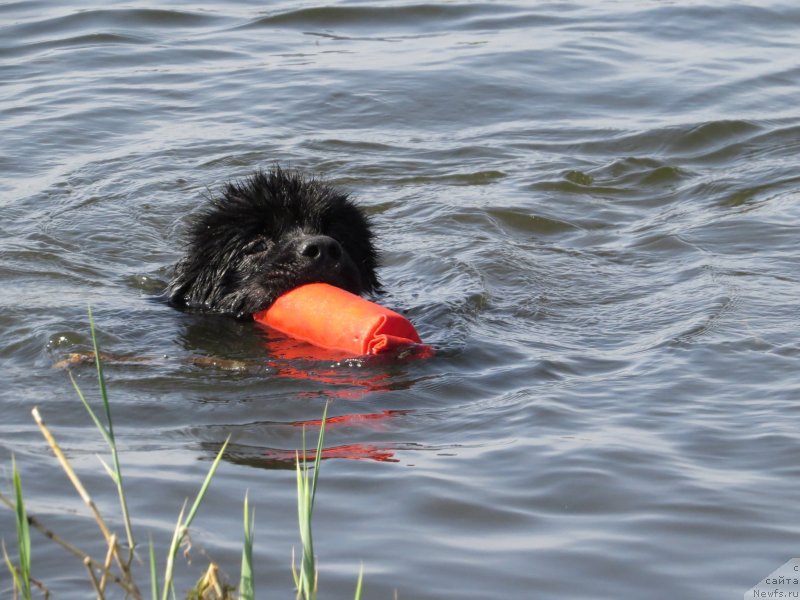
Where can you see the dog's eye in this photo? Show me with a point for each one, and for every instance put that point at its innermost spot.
(255, 246)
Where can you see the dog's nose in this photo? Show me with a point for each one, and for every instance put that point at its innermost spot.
(321, 248)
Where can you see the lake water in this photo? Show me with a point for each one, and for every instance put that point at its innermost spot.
(589, 208)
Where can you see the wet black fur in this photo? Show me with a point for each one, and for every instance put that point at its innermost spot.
(268, 234)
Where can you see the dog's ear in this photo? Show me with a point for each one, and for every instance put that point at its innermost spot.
(177, 290)
(196, 281)
(213, 246)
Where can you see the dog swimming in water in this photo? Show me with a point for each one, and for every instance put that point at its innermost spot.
(270, 233)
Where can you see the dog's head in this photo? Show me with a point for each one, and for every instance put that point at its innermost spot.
(268, 234)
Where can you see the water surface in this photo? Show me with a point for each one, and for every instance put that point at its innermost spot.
(589, 208)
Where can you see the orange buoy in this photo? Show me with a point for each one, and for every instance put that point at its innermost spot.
(335, 319)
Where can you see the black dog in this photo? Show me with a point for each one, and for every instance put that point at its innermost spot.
(270, 233)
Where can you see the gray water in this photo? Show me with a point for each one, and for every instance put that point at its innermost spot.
(589, 208)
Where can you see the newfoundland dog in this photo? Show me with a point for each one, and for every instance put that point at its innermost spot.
(267, 234)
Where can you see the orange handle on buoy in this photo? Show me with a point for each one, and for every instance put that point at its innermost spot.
(333, 318)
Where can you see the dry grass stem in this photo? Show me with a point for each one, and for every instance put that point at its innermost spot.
(87, 499)
(112, 545)
(87, 562)
(73, 477)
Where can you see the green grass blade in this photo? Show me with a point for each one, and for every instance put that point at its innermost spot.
(303, 521)
(359, 583)
(101, 380)
(100, 427)
(23, 535)
(177, 536)
(304, 514)
(201, 494)
(11, 569)
(306, 493)
(107, 430)
(153, 573)
(318, 456)
(109, 471)
(295, 575)
(247, 583)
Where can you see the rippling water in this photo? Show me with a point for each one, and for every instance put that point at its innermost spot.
(589, 208)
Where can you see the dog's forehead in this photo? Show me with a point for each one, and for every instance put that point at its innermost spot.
(280, 222)
(304, 212)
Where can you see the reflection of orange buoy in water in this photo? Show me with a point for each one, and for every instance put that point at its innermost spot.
(344, 378)
(350, 451)
(352, 419)
(299, 360)
(332, 318)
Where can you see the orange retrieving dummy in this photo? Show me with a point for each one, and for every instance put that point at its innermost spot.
(333, 318)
